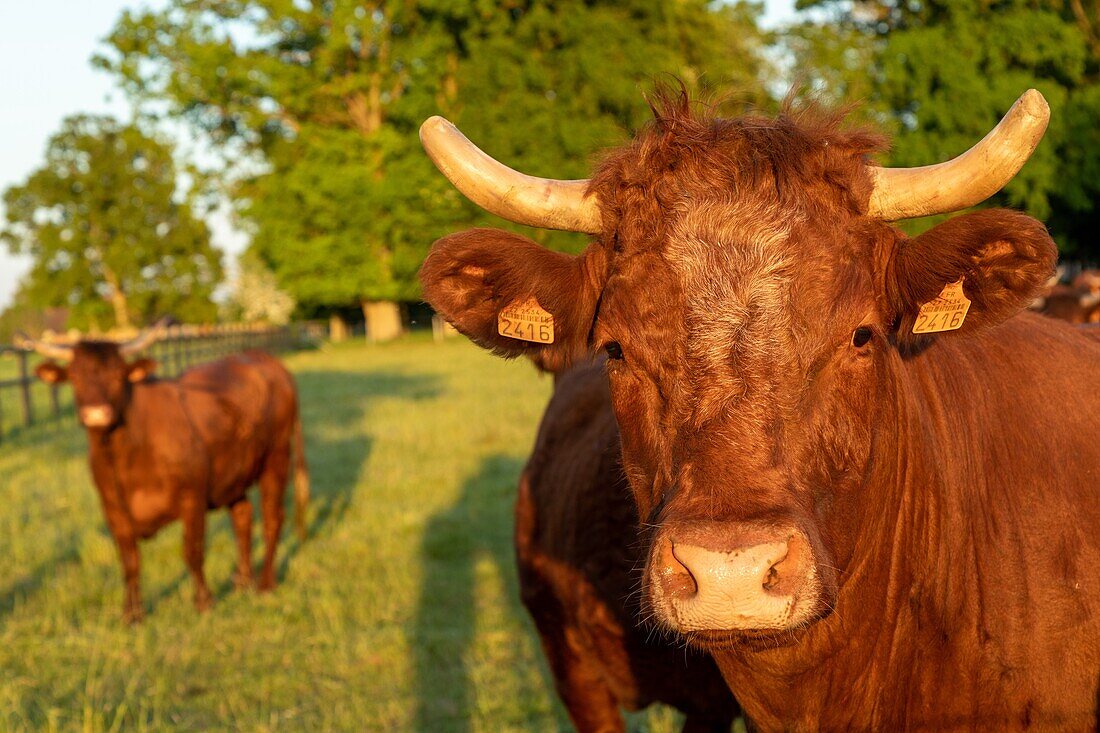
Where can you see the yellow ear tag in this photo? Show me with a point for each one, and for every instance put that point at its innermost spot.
(946, 313)
(526, 320)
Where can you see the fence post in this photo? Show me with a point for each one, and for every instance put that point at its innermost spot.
(55, 404)
(25, 389)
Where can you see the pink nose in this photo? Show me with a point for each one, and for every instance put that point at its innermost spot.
(97, 416)
(701, 581)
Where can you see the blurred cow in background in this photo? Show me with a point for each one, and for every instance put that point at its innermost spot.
(580, 558)
(1077, 302)
(166, 449)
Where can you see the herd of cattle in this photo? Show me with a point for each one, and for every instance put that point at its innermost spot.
(797, 465)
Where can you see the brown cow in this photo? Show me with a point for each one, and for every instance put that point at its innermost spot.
(870, 528)
(1070, 304)
(1078, 302)
(166, 449)
(580, 563)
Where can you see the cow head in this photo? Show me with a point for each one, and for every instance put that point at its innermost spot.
(100, 375)
(752, 299)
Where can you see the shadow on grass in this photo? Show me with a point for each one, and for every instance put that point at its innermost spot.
(338, 403)
(36, 578)
(443, 632)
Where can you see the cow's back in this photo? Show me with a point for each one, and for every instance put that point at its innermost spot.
(578, 550)
(242, 407)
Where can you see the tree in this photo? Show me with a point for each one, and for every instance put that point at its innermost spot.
(940, 73)
(256, 294)
(329, 97)
(110, 234)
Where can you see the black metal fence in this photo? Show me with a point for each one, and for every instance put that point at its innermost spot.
(25, 401)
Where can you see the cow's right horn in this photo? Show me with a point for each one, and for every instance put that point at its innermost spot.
(145, 339)
(48, 350)
(539, 202)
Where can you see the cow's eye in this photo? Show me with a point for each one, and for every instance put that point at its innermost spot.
(861, 336)
(614, 350)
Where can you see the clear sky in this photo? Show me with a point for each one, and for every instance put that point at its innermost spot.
(45, 76)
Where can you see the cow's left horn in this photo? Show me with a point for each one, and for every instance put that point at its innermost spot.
(974, 176)
(539, 202)
(48, 350)
(143, 340)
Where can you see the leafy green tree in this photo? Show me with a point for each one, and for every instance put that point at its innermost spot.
(328, 97)
(940, 73)
(111, 236)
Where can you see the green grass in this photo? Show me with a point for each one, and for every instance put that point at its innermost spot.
(400, 612)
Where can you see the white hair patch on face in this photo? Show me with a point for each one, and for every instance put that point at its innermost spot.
(735, 263)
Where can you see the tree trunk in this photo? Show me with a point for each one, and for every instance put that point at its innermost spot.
(383, 320)
(337, 329)
(118, 301)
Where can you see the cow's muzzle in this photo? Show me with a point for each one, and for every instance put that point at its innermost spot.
(713, 577)
(97, 416)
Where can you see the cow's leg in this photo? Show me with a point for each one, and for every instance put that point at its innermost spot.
(122, 529)
(132, 609)
(589, 701)
(241, 514)
(194, 546)
(272, 487)
(579, 680)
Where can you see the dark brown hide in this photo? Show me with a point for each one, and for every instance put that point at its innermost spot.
(580, 560)
(167, 449)
(931, 499)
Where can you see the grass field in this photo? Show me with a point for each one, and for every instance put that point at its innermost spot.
(399, 613)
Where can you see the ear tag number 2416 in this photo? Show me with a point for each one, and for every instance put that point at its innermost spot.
(526, 320)
(945, 313)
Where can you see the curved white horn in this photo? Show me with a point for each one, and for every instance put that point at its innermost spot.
(515, 196)
(48, 350)
(969, 179)
(143, 340)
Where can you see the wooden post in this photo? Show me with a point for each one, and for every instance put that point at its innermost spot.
(337, 329)
(25, 389)
(55, 404)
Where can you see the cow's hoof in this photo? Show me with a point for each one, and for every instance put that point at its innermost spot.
(133, 616)
(244, 583)
(267, 585)
(203, 602)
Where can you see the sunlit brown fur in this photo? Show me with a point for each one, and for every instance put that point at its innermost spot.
(580, 569)
(946, 483)
(176, 448)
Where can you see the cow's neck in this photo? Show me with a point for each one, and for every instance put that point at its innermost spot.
(905, 601)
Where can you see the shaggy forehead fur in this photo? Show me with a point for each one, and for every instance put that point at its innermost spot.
(742, 214)
(799, 162)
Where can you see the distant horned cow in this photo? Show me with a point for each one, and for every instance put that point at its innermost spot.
(166, 449)
(871, 480)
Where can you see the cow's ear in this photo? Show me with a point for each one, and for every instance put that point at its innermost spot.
(1003, 259)
(480, 279)
(51, 373)
(140, 370)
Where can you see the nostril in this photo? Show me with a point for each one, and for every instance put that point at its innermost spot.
(771, 580)
(785, 573)
(676, 579)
